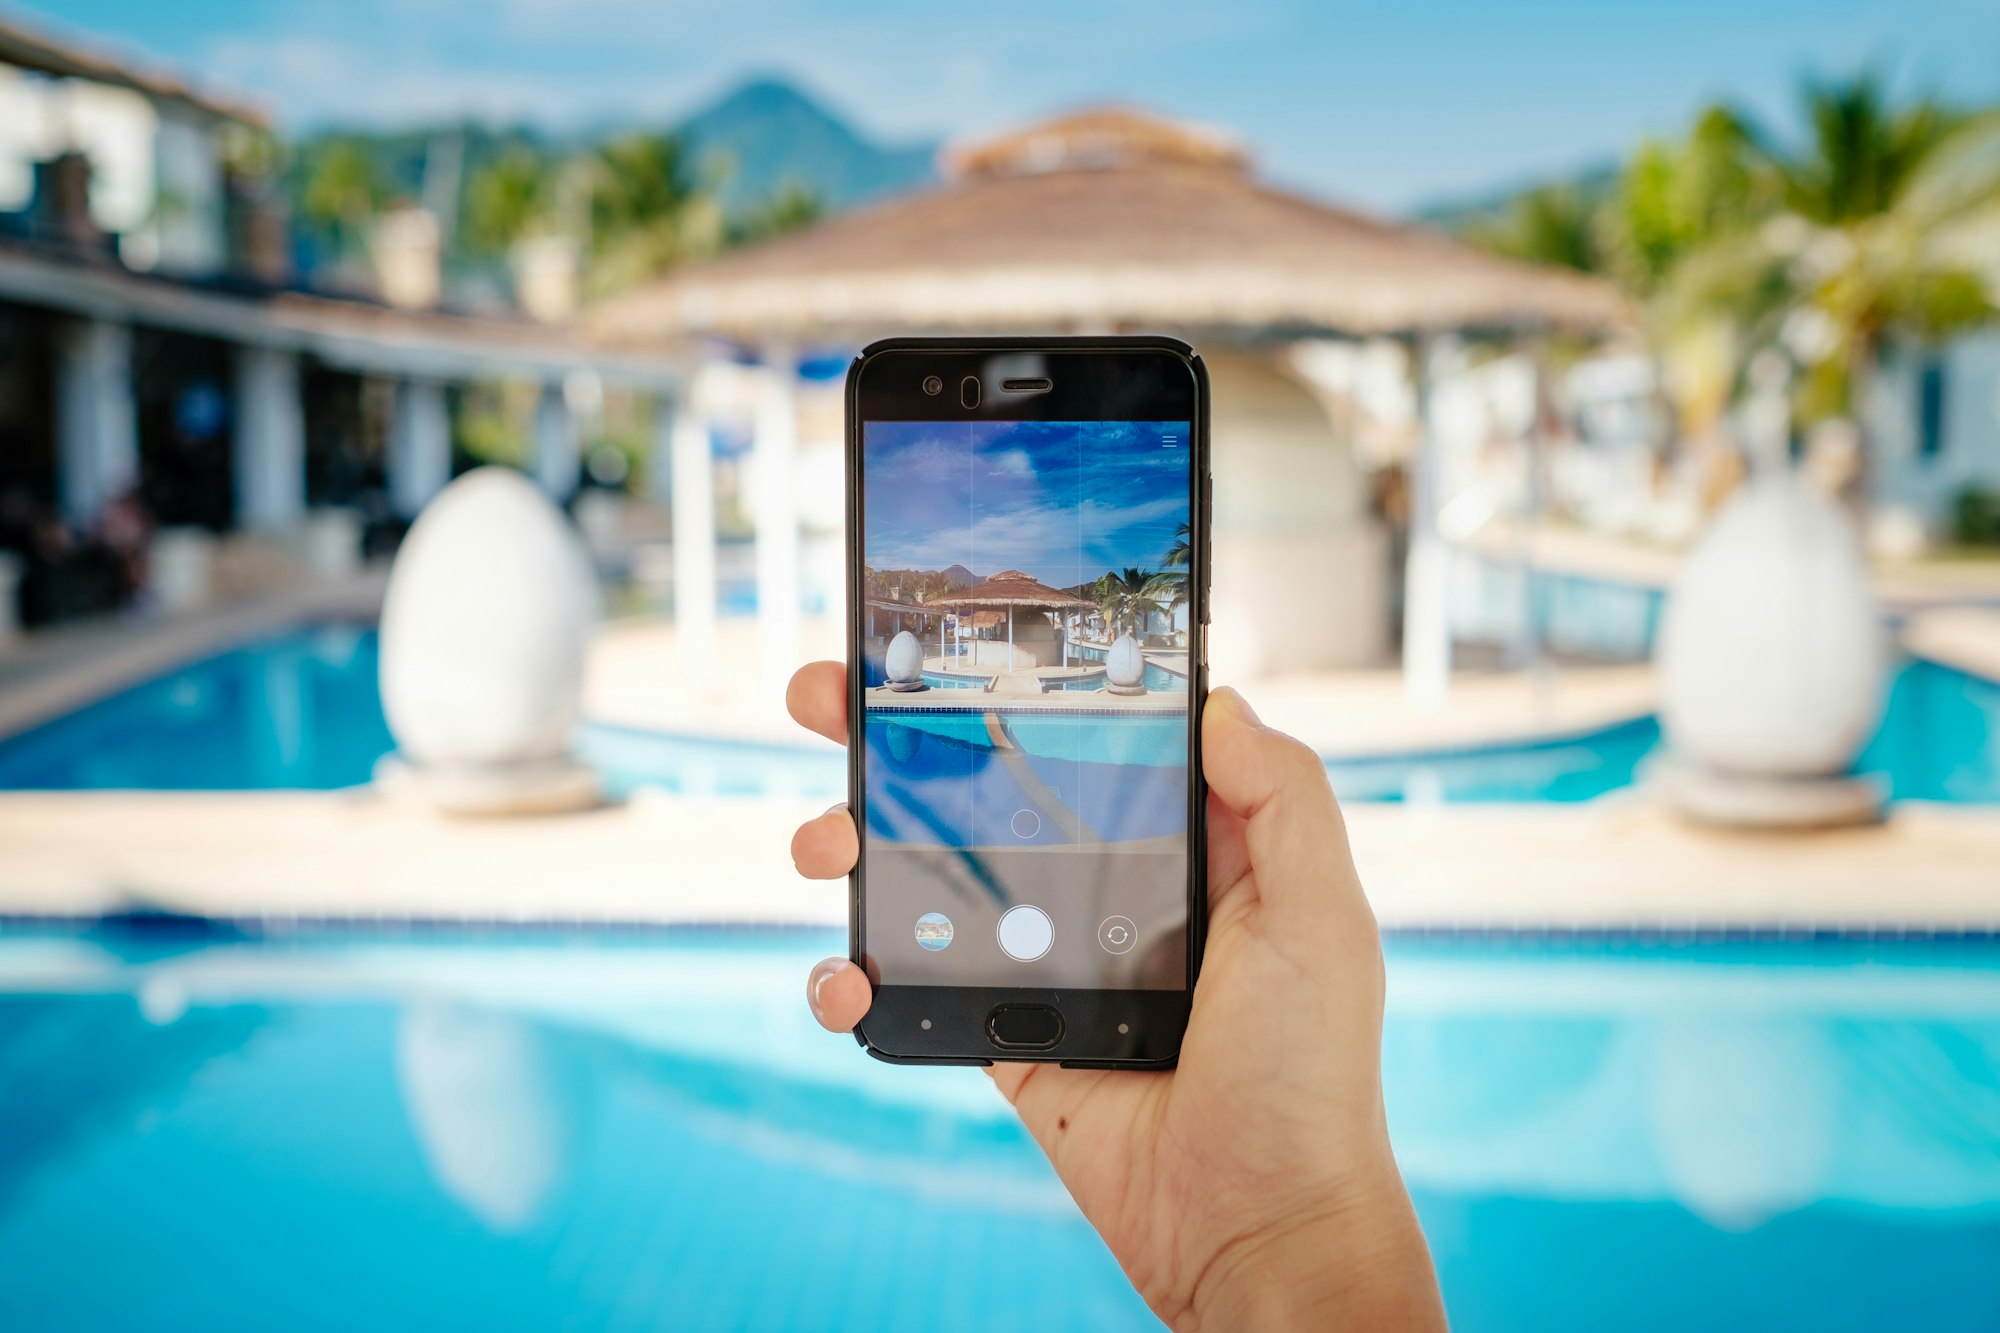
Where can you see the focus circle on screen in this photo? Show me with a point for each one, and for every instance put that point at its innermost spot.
(1026, 933)
(934, 931)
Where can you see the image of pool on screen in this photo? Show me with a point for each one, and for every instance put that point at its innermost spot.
(969, 778)
(1027, 561)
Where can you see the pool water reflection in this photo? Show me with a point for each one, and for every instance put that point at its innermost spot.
(351, 1132)
(301, 710)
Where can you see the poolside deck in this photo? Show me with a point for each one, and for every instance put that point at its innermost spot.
(1903, 587)
(634, 679)
(1623, 862)
(284, 857)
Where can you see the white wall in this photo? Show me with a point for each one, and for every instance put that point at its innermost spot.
(1300, 579)
(1969, 445)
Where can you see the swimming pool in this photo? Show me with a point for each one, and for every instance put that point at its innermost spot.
(1157, 679)
(332, 1132)
(936, 777)
(301, 710)
(947, 680)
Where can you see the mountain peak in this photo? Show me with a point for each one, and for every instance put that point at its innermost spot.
(770, 135)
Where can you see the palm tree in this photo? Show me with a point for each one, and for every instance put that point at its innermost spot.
(1551, 224)
(788, 208)
(1128, 597)
(507, 200)
(1170, 585)
(344, 189)
(1869, 240)
(647, 211)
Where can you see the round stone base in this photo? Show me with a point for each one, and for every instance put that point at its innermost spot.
(906, 686)
(538, 787)
(1124, 689)
(1737, 800)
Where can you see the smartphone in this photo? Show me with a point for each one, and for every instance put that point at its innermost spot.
(1027, 526)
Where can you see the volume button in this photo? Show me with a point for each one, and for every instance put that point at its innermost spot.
(1207, 550)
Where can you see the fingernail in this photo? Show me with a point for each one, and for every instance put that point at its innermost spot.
(1236, 700)
(837, 805)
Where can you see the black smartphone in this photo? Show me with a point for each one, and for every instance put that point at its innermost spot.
(1027, 526)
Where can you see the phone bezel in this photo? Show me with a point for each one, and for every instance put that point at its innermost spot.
(1150, 386)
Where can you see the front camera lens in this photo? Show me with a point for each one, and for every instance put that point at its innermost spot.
(933, 385)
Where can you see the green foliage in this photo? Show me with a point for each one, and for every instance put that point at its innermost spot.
(1551, 224)
(1976, 517)
(344, 188)
(1676, 197)
(635, 204)
(1867, 231)
(1863, 153)
(647, 211)
(1126, 598)
(506, 200)
(793, 206)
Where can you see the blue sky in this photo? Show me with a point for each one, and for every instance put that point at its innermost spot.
(1062, 501)
(1387, 104)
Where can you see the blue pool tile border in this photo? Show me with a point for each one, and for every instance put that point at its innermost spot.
(273, 927)
(1027, 704)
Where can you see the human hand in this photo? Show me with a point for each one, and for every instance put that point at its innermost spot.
(1253, 1186)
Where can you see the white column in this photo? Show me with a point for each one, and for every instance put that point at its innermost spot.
(1525, 651)
(270, 440)
(419, 446)
(693, 465)
(1427, 576)
(558, 449)
(776, 516)
(97, 426)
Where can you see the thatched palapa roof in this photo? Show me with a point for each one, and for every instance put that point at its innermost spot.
(1105, 220)
(1012, 588)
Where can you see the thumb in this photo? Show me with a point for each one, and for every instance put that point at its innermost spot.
(1293, 834)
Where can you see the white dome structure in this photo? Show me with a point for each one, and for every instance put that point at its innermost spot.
(1125, 667)
(483, 632)
(1771, 661)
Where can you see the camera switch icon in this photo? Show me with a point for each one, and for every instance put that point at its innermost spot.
(1117, 934)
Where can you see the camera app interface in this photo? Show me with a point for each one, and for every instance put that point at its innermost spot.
(1025, 643)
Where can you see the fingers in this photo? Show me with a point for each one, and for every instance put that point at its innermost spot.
(827, 847)
(1277, 787)
(838, 994)
(817, 698)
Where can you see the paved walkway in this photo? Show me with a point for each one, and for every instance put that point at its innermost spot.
(634, 679)
(1623, 861)
(1902, 587)
(283, 856)
(1965, 637)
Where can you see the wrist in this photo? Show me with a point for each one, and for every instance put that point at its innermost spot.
(1361, 1263)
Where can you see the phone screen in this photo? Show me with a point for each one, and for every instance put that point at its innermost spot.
(1026, 629)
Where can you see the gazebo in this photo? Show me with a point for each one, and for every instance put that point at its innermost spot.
(1109, 220)
(1002, 594)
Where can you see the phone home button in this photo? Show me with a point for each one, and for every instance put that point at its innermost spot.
(1025, 1027)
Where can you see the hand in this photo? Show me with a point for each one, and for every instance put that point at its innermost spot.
(1253, 1186)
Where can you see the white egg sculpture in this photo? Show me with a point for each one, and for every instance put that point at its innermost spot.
(903, 664)
(1125, 667)
(1771, 658)
(484, 626)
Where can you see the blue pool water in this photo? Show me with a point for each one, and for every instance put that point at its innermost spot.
(1157, 679)
(338, 1133)
(937, 779)
(301, 710)
(946, 680)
